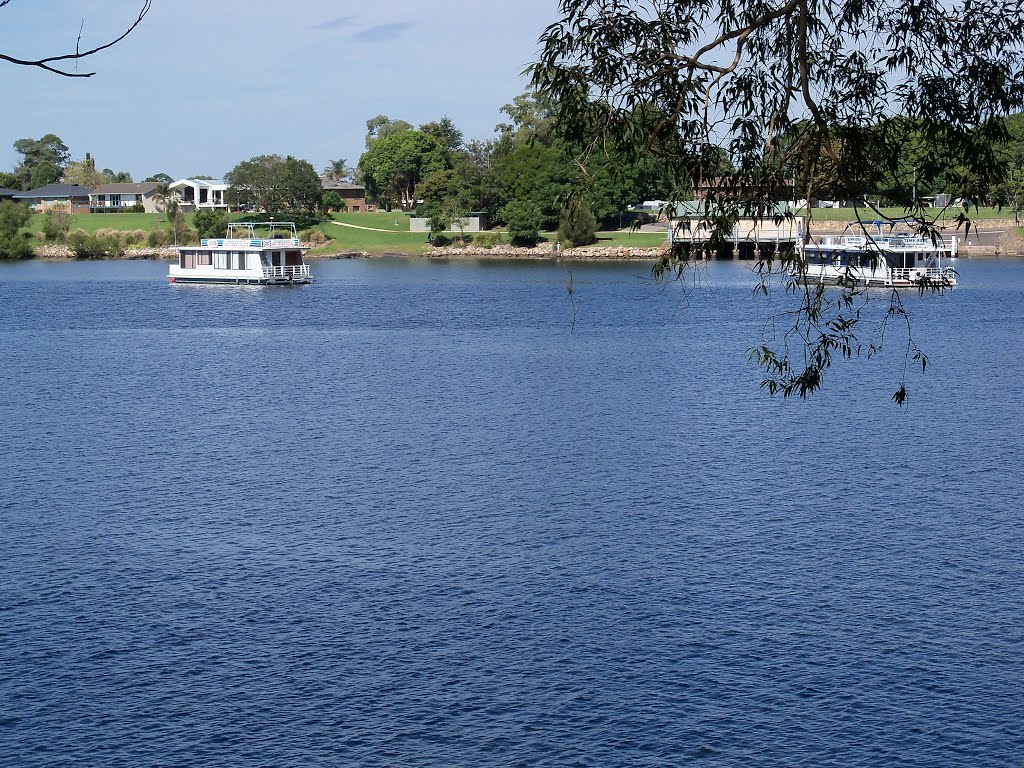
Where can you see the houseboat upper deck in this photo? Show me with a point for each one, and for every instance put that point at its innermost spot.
(254, 253)
(896, 260)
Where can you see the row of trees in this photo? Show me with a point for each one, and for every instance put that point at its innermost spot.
(523, 177)
(529, 176)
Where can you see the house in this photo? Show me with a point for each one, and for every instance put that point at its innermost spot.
(196, 194)
(353, 196)
(111, 198)
(69, 197)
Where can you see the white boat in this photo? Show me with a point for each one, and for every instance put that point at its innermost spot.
(245, 257)
(898, 260)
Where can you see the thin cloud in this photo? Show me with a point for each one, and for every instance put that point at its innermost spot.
(338, 23)
(382, 32)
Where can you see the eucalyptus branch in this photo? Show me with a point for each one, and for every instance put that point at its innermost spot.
(47, 63)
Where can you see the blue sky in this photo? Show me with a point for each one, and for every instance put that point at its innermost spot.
(204, 84)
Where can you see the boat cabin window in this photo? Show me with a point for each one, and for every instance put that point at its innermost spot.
(220, 260)
(187, 260)
(204, 259)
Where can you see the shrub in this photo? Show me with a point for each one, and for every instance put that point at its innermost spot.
(94, 245)
(578, 225)
(314, 237)
(331, 201)
(56, 223)
(523, 220)
(440, 240)
(159, 238)
(16, 246)
(487, 239)
(137, 208)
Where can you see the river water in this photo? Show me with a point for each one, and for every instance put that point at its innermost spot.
(428, 514)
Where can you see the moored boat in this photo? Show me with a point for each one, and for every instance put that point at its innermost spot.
(897, 260)
(245, 256)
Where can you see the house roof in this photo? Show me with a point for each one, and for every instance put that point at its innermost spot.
(55, 190)
(197, 183)
(342, 185)
(140, 188)
(8, 192)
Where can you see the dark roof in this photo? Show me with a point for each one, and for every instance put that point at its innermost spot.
(55, 190)
(342, 185)
(126, 188)
(8, 192)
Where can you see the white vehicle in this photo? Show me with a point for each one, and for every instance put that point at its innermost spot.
(243, 257)
(899, 260)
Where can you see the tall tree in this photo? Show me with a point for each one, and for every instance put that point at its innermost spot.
(338, 170)
(396, 163)
(797, 84)
(274, 185)
(83, 172)
(49, 149)
(380, 126)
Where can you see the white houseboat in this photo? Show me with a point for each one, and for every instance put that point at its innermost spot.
(245, 257)
(898, 260)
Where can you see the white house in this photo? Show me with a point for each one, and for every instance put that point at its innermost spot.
(195, 194)
(111, 198)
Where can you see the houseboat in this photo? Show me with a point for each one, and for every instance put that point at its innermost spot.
(245, 256)
(896, 260)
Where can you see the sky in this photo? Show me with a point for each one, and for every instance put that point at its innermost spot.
(202, 85)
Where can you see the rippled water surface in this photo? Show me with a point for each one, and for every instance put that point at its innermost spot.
(411, 516)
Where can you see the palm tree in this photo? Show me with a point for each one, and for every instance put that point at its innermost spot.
(338, 170)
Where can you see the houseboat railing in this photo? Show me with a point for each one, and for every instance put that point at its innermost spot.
(299, 270)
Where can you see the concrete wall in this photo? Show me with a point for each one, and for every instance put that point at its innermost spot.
(471, 224)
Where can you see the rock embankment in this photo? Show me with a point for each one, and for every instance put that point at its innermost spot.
(585, 253)
(52, 251)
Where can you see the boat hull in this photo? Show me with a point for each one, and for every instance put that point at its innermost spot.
(241, 280)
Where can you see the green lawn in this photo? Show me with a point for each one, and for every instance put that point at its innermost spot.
(866, 214)
(90, 222)
(395, 221)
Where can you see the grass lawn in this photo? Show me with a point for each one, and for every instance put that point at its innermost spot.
(90, 222)
(866, 214)
(395, 221)
(349, 239)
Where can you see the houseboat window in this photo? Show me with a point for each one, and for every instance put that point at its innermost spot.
(188, 260)
(237, 260)
(204, 259)
(220, 260)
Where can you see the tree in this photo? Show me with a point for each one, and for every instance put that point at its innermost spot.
(10, 180)
(160, 178)
(116, 177)
(447, 135)
(274, 185)
(210, 222)
(380, 126)
(523, 221)
(446, 194)
(395, 164)
(801, 85)
(83, 172)
(578, 226)
(43, 174)
(55, 64)
(331, 201)
(14, 244)
(48, 150)
(338, 170)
